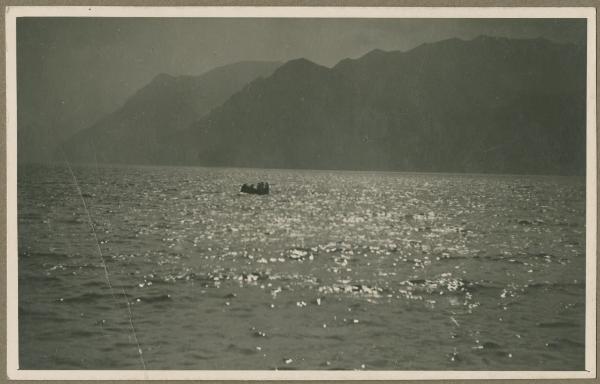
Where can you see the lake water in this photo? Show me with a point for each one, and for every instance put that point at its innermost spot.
(332, 270)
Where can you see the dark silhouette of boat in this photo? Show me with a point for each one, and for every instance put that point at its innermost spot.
(260, 189)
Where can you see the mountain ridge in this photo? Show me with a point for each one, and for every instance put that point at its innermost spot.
(426, 103)
(134, 132)
(491, 105)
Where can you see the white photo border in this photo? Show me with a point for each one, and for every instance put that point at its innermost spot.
(14, 12)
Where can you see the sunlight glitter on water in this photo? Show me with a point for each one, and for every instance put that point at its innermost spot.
(332, 270)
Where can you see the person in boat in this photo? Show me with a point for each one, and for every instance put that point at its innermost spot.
(265, 188)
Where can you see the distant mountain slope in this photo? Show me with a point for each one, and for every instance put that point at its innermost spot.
(135, 132)
(484, 105)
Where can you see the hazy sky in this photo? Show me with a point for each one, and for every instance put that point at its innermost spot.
(71, 71)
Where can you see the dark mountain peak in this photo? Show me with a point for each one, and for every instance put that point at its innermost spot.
(242, 66)
(135, 132)
(300, 65)
(375, 53)
(343, 63)
(437, 46)
(487, 38)
(451, 40)
(301, 61)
